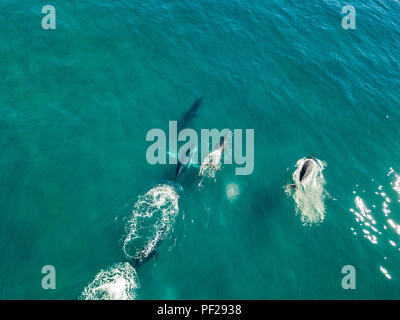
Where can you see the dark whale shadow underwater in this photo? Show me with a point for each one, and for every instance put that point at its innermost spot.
(189, 115)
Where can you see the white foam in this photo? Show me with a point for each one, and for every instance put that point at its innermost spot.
(118, 282)
(152, 219)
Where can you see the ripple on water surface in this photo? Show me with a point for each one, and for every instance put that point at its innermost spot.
(375, 219)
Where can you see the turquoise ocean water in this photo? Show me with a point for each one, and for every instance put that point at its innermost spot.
(76, 104)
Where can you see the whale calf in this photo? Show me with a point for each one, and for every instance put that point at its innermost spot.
(212, 162)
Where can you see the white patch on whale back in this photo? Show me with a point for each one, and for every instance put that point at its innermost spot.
(211, 164)
(152, 220)
(310, 194)
(118, 282)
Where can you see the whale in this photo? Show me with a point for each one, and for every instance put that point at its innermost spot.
(185, 161)
(308, 166)
(308, 190)
(213, 161)
(186, 119)
(221, 144)
(152, 222)
(146, 254)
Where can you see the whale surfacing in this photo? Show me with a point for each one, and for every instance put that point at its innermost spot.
(307, 168)
(308, 190)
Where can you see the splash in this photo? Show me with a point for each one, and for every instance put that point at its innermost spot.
(309, 195)
(152, 220)
(118, 282)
